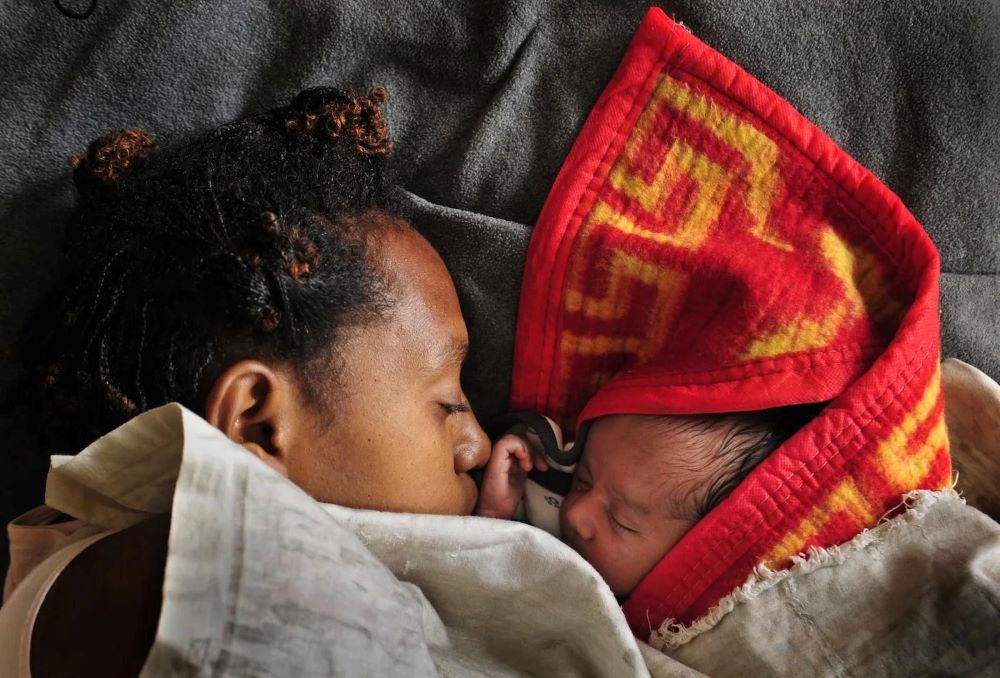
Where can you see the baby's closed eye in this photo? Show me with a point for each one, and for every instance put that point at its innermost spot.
(618, 525)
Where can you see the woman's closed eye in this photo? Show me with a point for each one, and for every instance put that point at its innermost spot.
(455, 408)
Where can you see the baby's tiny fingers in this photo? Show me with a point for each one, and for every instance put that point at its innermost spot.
(525, 463)
(521, 452)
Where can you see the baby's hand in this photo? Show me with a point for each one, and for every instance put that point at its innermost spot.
(503, 481)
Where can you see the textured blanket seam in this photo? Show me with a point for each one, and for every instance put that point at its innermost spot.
(840, 438)
(917, 503)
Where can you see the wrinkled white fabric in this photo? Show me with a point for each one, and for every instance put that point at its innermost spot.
(917, 595)
(263, 580)
(972, 409)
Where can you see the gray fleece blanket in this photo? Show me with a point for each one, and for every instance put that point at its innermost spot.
(485, 100)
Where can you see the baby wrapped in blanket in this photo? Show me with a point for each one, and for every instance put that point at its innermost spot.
(638, 483)
(705, 249)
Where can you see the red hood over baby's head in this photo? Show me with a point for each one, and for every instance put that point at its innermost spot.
(707, 249)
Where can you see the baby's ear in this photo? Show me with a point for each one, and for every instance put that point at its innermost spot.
(111, 157)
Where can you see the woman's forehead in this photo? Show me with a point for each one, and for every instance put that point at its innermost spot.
(424, 328)
(414, 268)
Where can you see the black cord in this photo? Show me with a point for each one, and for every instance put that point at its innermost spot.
(540, 426)
(73, 14)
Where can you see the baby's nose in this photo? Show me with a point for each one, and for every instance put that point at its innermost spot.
(579, 527)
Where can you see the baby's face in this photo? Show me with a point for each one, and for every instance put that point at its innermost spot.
(631, 496)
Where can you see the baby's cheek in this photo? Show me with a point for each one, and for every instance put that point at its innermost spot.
(630, 563)
(624, 574)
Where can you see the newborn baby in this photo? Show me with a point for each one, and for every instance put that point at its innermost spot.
(641, 483)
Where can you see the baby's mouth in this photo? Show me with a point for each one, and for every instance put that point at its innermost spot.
(570, 538)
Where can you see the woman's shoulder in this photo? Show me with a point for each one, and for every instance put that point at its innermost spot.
(91, 608)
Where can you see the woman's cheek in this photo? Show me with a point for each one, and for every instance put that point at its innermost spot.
(456, 494)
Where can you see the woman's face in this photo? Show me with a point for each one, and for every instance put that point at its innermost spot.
(401, 435)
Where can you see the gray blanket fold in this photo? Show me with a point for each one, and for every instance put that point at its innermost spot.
(485, 100)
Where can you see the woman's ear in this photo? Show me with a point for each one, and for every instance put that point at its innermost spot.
(254, 404)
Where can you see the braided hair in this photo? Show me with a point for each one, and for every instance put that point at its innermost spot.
(250, 241)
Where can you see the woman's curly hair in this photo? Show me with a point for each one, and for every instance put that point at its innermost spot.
(242, 243)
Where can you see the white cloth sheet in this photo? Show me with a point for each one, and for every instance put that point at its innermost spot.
(262, 580)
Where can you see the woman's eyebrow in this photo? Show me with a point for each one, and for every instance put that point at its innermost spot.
(452, 352)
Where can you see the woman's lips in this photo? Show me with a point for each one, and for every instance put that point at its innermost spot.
(471, 490)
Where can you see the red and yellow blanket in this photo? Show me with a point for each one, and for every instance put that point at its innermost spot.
(705, 248)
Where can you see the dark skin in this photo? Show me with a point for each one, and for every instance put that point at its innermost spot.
(623, 522)
(394, 433)
(99, 618)
(399, 390)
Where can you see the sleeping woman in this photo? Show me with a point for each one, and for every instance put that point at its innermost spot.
(257, 276)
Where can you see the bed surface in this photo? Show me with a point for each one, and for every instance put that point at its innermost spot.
(485, 100)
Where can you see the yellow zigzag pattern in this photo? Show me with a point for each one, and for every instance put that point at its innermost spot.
(757, 149)
(624, 269)
(862, 288)
(809, 332)
(711, 185)
(903, 470)
(845, 497)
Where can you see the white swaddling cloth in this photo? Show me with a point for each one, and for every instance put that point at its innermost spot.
(263, 580)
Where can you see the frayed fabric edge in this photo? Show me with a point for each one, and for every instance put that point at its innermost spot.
(916, 503)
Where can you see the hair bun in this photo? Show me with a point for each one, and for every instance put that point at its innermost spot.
(332, 114)
(111, 156)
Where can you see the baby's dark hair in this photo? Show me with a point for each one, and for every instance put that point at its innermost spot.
(747, 438)
(249, 241)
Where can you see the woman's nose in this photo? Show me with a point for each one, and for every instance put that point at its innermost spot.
(474, 449)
